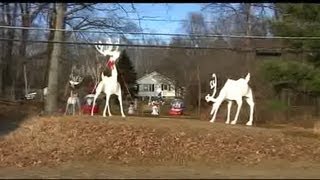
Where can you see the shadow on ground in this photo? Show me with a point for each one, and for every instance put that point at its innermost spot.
(10, 120)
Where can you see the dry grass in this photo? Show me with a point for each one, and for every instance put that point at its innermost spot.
(51, 141)
(54, 140)
(316, 128)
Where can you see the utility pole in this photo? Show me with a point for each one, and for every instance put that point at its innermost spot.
(51, 104)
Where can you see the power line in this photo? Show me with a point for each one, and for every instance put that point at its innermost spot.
(164, 46)
(136, 19)
(110, 44)
(167, 20)
(167, 34)
(173, 20)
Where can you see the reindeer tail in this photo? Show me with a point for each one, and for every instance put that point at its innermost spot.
(247, 77)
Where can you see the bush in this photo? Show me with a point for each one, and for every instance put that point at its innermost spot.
(276, 105)
(291, 74)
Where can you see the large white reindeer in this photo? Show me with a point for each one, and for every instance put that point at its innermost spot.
(109, 84)
(233, 90)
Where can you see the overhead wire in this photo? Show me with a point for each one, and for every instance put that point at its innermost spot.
(168, 34)
(162, 46)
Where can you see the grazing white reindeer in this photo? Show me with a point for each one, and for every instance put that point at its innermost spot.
(73, 100)
(233, 90)
(109, 85)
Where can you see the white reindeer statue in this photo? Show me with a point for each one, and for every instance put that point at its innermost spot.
(109, 84)
(233, 90)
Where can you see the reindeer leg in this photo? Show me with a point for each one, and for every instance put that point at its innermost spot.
(98, 91)
(67, 107)
(249, 100)
(120, 102)
(73, 109)
(108, 104)
(228, 114)
(239, 102)
(93, 104)
(79, 106)
(215, 108)
(105, 108)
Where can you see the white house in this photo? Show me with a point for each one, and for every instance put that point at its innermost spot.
(149, 84)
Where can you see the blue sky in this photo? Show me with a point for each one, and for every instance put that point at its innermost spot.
(156, 11)
(169, 11)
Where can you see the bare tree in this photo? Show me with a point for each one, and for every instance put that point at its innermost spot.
(28, 15)
(148, 59)
(10, 11)
(233, 18)
(51, 104)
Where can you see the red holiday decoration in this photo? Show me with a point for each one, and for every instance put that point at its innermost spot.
(86, 109)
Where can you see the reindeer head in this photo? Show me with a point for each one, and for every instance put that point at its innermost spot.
(75, 78)
(107, 51)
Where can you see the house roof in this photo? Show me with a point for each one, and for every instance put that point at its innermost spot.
(155, 73)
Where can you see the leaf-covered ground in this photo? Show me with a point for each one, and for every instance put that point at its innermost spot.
(51, 141)
(155, 147)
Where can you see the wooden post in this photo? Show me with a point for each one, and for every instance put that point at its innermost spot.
(25, 79)
(288, 104)
(317, 105)
(199, 89)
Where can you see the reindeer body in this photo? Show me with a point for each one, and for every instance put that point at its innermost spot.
(109, 84)
(233, 90)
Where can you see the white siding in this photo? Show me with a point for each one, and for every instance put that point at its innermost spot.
(153, 78)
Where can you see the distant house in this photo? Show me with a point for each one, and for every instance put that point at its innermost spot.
(148, 85)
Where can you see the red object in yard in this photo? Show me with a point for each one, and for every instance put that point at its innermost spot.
(177, 107)
(86, 109)
(174, 111)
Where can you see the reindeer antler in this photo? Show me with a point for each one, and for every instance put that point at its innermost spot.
(213, 85)
(75, 78)
(104, 49)
(107, 50)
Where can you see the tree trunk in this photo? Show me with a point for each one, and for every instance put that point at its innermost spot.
(276, 12)
(2, 62)
(25, 79)
(51, 105)
(52, 22)
(9, 78)
(248, 33)
(24, 7)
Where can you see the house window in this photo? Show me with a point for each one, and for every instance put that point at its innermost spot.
(166, 87)
(147, 87)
